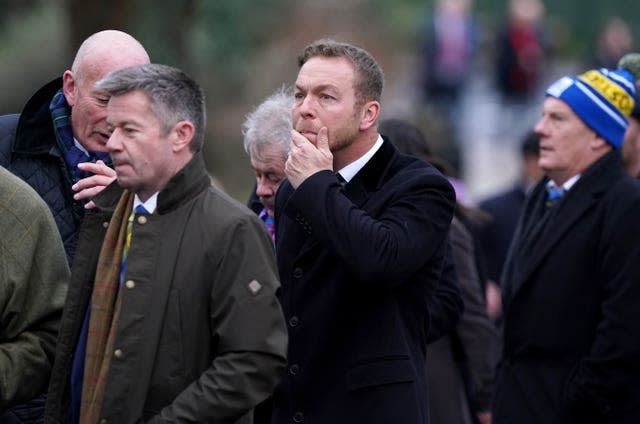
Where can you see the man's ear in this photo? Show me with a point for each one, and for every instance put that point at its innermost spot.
(598, 142)
(69, 87)
(370, 112)
(184, 132)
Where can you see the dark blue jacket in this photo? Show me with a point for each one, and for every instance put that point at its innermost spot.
(28, 148)
(495, 236)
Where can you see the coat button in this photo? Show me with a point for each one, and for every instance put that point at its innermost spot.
(142, 220)
(117, 353)
(297, 273)
(130, 284)
(294, 369)
(105, 224)
(298, 417)
(294, 321)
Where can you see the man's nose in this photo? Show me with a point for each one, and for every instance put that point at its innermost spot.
(306, 107)
(263, 187)
(113, 143)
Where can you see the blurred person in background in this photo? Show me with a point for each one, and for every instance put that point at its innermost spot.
(613, 41)
(570, 283)
(33, 283)
(448, 54)
(631, 144)
(460, 365)
(267, 136)
(521, 50)
(57, 143)
(504, 209)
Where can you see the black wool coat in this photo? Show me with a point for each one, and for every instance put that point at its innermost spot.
(357, 265)
(571, 296)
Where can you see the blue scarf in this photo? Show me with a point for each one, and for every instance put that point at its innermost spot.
(60, 113)
(269, 223)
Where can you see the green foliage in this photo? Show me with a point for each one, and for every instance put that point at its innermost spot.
(228, 32)
(25, 64)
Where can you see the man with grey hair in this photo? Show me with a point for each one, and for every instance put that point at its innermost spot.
(267, 135)
(359, 251)
(172, 314)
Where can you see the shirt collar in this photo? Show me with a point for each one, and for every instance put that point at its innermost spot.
(149, 205)
(80, 146)
(567, 184)
(349, 171)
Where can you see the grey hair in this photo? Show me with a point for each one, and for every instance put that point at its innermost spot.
(173, 95)
(269, 124)
(369, 79)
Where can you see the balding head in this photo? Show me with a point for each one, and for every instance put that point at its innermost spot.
(108, 50)
(101, 53)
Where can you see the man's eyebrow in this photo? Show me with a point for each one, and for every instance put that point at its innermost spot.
(320, 87)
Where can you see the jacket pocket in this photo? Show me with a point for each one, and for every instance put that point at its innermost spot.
(379, 372)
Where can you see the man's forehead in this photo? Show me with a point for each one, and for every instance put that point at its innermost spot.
(551, 104)
(267, 165)
(334, 71)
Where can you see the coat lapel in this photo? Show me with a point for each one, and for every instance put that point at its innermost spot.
(371, 176)
(582, 197)
(577, 202)
(359, 189)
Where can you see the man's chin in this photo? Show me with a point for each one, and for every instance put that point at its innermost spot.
(269, 205)
(95, 143)
(312, 137)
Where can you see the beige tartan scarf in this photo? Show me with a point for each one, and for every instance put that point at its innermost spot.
(105, 311)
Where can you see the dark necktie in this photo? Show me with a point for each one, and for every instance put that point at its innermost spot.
(554, 194)
(140, 209)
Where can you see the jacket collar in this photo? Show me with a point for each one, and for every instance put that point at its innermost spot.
(372, 176)
(185, 185)
(34, 134)
(593, 184)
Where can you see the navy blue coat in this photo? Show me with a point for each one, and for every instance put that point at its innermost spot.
(357, 265)
(571, 296)
(496, 235)
(28, 149)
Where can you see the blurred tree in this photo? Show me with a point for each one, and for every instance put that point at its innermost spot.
(11, 8)
(227, 34)
(166, 29)
(87, 17)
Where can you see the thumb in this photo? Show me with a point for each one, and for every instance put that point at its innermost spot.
(322, 140)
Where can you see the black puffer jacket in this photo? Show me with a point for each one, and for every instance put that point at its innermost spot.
(28, 149)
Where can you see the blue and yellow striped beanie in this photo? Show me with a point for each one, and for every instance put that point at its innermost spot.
(602, 98)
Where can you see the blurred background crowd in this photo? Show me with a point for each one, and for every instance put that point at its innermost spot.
(469, 74)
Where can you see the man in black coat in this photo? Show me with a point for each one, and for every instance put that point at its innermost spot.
(570, 286)
(358, 251)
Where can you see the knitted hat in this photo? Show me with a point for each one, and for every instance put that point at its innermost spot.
(602, 98)
(631, 62)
